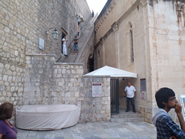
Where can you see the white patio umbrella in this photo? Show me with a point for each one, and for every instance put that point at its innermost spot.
(107, 71)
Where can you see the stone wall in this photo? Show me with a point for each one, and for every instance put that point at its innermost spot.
(167, 43)
(22, 23)
(49, 83)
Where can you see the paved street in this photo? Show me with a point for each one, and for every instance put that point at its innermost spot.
(102, 130)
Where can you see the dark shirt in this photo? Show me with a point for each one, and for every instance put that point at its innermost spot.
(7, 131)
(166, 128)
(75, 41)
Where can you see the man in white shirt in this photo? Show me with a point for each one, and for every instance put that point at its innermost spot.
(130, 92)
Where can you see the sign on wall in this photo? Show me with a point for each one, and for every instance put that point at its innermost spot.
(143, 88)
(182, 102)
(143, 95)
(41, 44)
(96, 89)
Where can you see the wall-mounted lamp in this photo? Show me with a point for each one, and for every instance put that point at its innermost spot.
(55, 33)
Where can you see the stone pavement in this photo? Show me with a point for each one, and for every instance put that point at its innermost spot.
(98, 130)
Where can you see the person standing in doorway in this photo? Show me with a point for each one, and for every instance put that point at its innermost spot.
(64, 46)
(75, 41)
(130, 92)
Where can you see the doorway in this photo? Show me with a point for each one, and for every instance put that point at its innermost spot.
(114, 85)
(90, 63)
(64, 33)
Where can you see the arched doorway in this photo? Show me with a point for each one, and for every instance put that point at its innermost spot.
(90, 65)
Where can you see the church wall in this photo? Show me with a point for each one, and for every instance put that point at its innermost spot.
(167, 31)
(115, 50)
(104, 22)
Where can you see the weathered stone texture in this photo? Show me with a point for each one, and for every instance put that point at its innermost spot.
(167, 43)
(50, 83)
(22, 23)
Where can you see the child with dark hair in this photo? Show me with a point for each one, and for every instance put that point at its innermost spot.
(7, 130)
(166, 127)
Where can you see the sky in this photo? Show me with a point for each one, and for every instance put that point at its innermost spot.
(96, 5)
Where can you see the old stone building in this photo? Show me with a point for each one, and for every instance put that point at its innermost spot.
(29, 73)
(146, 37)
(22, 24)
(134, 35)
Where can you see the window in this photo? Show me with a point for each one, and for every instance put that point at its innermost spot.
(142, 85)
(131, 43)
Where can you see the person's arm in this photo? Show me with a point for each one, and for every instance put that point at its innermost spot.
(125, 91)
(1, 135)
(134, 93)
(178, 110)
(173, 128)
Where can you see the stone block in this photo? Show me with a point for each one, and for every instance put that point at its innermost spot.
(2, 99)
(12, 68)
(79, 71)
(1, 65)
(76, 94)
(7, 66)
(7, 29)
(11, 26)
(1, 26)
(5, 77)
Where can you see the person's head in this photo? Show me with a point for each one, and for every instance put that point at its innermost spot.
(6, 110)
(75, 37)
(165, 97)
(65, 37)
(129, 84)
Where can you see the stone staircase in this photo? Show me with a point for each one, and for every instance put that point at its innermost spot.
(126, 117)
(82, 41)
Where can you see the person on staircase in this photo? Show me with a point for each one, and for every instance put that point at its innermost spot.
(130, 92)
(64, 46)
(75, 41)
(92, 13)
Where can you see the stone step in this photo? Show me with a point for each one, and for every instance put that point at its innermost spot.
(71, 58)
(122, 120)
(125, 115)
(82, 41)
